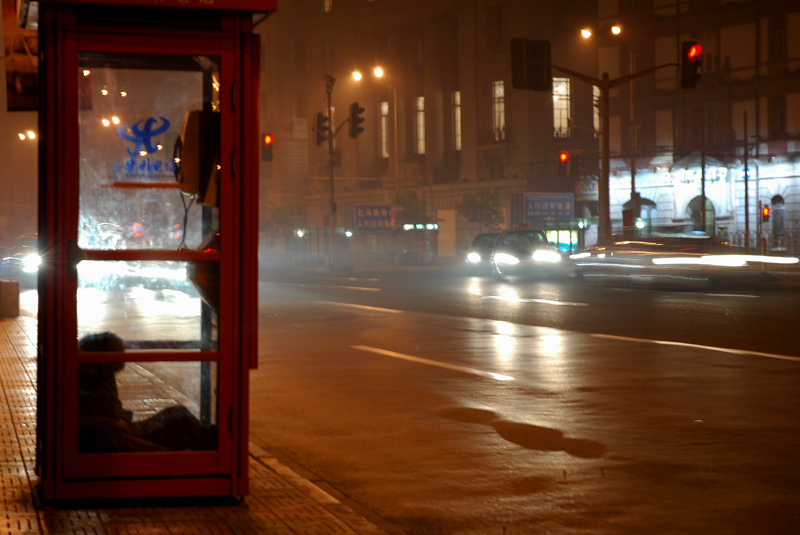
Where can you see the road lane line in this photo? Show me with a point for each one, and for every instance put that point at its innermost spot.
(445, 365)
(698, 346)
(356, 288)
(542, 301)
(362, 307)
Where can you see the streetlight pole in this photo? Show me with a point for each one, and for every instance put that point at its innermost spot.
(617, 30)
(632, 142)
(378, 73)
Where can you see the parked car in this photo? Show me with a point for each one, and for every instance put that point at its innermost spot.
(524, 253)
(479, 253)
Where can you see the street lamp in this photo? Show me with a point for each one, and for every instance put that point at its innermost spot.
(617, 30)
(379, 73)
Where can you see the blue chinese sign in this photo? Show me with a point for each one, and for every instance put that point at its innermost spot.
(549, 206)
(146, 138)
(373, 217)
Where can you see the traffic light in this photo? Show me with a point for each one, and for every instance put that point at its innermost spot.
(266, 147)
(530, 64)
(322, 128)
(356, 120)
(690, 63)
(765, 213)
(563, 162)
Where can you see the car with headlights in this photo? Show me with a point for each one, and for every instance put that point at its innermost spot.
(479, 253)
(20, 261)
(673, 260)
(524, 253)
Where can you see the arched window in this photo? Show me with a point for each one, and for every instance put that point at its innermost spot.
(647, 213)
(694, 213)
(778, 215)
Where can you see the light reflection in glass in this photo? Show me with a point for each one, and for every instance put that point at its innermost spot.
(93, 310)
(142, 301)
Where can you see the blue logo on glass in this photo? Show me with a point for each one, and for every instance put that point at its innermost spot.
(142, 134)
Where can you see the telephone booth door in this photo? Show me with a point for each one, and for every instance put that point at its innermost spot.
(143, 301)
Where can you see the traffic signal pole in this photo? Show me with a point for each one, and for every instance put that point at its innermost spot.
(329, 81)
(603, 186)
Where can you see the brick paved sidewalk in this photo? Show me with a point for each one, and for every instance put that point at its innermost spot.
(280, 501)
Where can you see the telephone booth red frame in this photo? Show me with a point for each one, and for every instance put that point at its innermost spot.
(143, 110)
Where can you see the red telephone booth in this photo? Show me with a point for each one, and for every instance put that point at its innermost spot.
(148, 224)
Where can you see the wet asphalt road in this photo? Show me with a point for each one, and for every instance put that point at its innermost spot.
(442, 403)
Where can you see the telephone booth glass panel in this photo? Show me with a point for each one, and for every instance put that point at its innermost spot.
(147, 392)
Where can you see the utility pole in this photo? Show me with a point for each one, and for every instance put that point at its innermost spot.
(329, 81)
(746, 188)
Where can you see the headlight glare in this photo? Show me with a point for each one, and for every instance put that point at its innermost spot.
(505, 258)
(546, 255)
(30, 263)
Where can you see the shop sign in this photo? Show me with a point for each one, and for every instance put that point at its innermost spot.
(586, 190)
(257, 6)
(694, 175)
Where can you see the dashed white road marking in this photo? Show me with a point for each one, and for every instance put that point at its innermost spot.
(698, 346)
(445, 365)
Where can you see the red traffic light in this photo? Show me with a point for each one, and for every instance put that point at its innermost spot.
(691, 62)
(266, 147)
(765, 213)
(563, 157)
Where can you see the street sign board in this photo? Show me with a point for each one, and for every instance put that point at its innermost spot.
(373, 217)
(549, 206)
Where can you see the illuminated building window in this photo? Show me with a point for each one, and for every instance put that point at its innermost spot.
(384, 129)
(499, 110)
(561, 107)
(457, 120)
(420, 125)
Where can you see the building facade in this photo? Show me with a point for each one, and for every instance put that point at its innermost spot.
(741, 120)
(445, 121)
